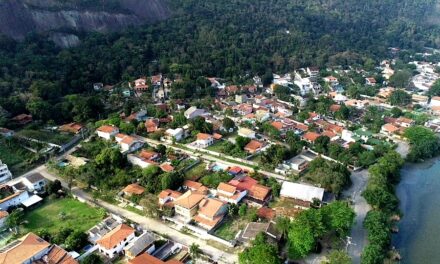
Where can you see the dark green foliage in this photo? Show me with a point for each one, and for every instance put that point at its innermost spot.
(400, 98)
(330, 175)
(424, 143)
(214, 179)
(260, 252)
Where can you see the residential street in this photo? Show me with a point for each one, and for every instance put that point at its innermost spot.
(361, 208)
(147, 223)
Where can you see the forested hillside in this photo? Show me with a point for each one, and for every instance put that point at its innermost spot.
(228, 38)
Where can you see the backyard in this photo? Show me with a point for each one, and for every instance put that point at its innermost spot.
(55, 214)
(232, 225)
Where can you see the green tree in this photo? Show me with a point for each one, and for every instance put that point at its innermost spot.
(260, 252)
(92, 259)
(338, 257)
(400, 79)
(76, 241)
(14, 220)
(400, 97)
(195, 252)
(228, 123)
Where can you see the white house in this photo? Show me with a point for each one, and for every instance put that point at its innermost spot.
(107, 132)
(178, 134)
(246, 132)
(204, 140)
(130, 144)
(34, 182)
(435, 101)
(13, 198)
(229, 193)
(114, 241)
(193, 112)
(303, 194)
(26, 250)
(5, 174)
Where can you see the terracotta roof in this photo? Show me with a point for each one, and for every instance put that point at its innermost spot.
(278, 125)
(3, 214)
(134, 188)
(311, 136)
(72, 128)
(203, 136)
(259, 192)
(115, 236)
(146, 154)
(235, 170)
(29, 246)
(266, 212)
(189, 199)
(435, 98)
(169, 193)
(128, 140)
(404, 120)
(217, 136)
(253, 146)
(335, 108)
(390, 128)
(208, 222)
(329, 134)
(192, 184)
(166, 167)
(107, 129)
(226, 188)
(210, 207)
(57, 255)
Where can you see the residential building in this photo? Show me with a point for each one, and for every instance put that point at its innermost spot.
(129, 143)
(257, 194)
(74, 128)
(229, 193)
(152, 125)
(166, 167)
(302, 195)
(193, 112)
(140, 85)
(435, 101)
(211, 213)
(5, 174)
(204, 140)
(254, 228)
(34, 182)
(12, 198)
(389, 129)
(25, 250)
(113, 243)
(310, 137)
(253, 146)
(370, 81)
(167, 197)
(405, 122)
(107, 132)
(141, 244)
(133, 189)
(22, 119)
(177, 134)
(186, 206)
(246, 132)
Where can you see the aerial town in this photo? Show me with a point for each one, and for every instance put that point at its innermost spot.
(278, 165)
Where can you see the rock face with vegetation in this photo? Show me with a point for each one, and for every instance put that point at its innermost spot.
(62, 18)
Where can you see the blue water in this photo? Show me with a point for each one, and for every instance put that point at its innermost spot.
(418, 239)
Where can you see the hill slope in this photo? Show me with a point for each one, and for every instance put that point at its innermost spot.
(20, 17)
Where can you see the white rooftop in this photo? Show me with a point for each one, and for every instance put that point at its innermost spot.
(301, 191)
(32, 200)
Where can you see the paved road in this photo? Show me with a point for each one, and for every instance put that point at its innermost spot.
(361, 208)
(147, 223)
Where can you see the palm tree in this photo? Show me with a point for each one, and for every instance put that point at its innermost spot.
(195, 252)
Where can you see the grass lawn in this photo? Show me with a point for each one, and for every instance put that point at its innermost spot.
(46, 136)
(78, 216)
(217, 147)
(196, 172)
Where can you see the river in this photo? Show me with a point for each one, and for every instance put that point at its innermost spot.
(418, 239)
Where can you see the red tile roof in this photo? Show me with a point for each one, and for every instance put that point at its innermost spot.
(134, 188)
(115, 236)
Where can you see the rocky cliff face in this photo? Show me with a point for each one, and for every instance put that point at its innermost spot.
(20, 17)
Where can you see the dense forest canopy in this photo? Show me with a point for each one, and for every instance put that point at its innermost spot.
(234, 39)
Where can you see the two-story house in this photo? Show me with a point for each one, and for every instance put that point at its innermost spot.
(107, 132)
(186, 206)
(204, 140)
(114, 241)
(211, 212)
(34, 182)
(229, 193)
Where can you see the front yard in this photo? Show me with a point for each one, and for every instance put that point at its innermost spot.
(55, 214)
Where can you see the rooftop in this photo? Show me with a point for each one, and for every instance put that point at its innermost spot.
(115, 236)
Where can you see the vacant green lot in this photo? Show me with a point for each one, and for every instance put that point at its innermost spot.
(196, 172)
(46, 136)
(60, 213)
(14, 155)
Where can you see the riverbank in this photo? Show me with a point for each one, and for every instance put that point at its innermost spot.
(418, 191)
